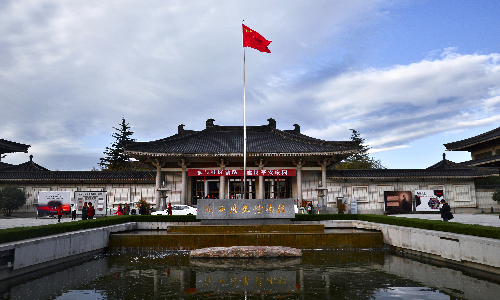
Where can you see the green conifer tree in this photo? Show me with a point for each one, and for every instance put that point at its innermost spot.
(360, 160)
(116, 159)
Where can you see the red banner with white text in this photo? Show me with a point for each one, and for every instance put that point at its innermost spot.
(239, 173)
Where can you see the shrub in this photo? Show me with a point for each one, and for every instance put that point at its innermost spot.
(496, 195)
(11, 198)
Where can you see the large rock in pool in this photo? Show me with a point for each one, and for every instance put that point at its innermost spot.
(245, 251)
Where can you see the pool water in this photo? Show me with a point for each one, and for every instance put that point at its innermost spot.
(361, 274)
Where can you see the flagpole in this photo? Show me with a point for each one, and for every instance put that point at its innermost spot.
(244, 130)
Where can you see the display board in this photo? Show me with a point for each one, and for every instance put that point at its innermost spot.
(428, 200)
(48, 201)
(397, 201)
(98, 200)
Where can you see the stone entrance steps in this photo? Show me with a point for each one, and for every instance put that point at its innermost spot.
(190, 237)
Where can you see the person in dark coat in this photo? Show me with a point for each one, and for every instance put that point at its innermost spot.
(84, 211)
(445, 210)
(142, 209)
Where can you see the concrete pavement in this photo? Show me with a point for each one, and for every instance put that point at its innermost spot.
(480, 219)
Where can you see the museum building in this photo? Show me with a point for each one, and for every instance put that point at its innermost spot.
(279, 164)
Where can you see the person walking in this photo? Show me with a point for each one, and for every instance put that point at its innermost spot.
(169, 209)
(142, 209)
(59, 213)
(126, 209)
(84, 211)
(90, 211)
(119, 211)
(445, 210)
(73, 212)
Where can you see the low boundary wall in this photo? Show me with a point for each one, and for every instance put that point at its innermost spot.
(22, 257)
(470, 251)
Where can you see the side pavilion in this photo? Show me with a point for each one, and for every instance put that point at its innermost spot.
(209, 163)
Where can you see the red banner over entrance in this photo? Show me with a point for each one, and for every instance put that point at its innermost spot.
(239, 173)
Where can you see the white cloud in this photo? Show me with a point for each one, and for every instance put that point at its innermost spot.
(69, 70)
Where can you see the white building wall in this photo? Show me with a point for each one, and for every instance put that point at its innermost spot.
(485, 200)
(370, 193)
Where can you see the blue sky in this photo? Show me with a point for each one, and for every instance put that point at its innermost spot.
(408, 75)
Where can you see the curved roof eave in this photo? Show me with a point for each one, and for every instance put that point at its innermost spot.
(239, 154)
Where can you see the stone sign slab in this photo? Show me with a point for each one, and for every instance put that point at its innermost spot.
(236, 209)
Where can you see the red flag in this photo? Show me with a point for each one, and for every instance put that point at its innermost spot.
(253, 39)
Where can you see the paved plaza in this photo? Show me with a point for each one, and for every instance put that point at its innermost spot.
(481, 219)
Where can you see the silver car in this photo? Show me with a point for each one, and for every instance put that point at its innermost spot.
(178, 210)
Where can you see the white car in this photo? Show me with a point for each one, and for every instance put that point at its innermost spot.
(177, 210)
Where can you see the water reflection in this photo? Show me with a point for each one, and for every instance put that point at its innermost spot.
(318, 275)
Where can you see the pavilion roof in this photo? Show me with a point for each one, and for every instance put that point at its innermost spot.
(228, 141)
(472, 142)
(410, 173)
(78, 176)
(11, 147)
(443, 169)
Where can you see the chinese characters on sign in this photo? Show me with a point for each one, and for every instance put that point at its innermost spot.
(245, 209)
(277, 172)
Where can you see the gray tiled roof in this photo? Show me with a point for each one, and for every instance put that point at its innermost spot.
(478, 139)
(229, 140)
(78, 175)
(4, 165)
(28, 166)
(410, 173)
(483, 161)
(446, 164)
(10, 147)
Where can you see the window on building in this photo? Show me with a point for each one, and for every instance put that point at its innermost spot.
(121, 195)
(462, 193)
(236, 188)
(334, 192)
(277, 188)
(360, 193)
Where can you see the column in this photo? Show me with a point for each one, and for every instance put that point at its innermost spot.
(222, 180)
(323, 164)
(158, 166)
(206, 191)
(222, 187)
(299, 164)
(261, 163)
(184, 166)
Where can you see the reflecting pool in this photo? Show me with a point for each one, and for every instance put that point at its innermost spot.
(362, 274)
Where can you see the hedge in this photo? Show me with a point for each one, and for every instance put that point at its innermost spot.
(452, 227)
(21, 233)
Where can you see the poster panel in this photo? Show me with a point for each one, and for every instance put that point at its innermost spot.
(397, 201)
(98, 200)
(48, 201)
(428, 200)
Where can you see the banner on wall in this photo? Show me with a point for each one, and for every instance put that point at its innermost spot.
(97, 198)
(397, 201)
(48, 201)
(428, 200)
